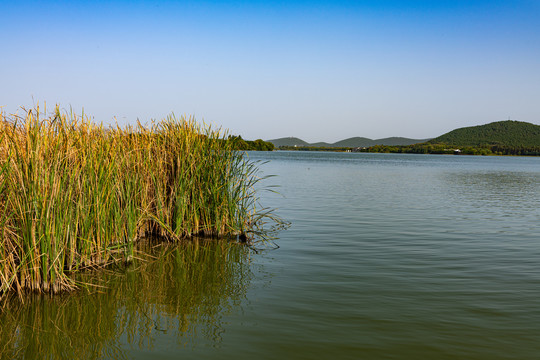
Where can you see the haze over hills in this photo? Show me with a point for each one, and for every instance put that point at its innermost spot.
(350, 142)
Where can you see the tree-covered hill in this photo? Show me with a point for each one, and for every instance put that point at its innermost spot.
(497, 138)
(288, 141)
(354, 142)
(508, 133)
(392, 141)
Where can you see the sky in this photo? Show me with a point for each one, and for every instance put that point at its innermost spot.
(317, 70)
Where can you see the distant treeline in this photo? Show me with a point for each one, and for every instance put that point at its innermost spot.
(316, 148)
(259, 145)
(425, 148)
(448, 149)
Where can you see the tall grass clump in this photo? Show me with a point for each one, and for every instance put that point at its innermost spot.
(74, 194)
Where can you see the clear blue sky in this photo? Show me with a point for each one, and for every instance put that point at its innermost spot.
(318, 70)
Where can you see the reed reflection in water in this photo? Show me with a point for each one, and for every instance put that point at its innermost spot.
(178, 290)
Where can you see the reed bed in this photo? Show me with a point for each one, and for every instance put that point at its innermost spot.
(74, 194)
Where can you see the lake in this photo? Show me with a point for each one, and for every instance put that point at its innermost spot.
(388, 256)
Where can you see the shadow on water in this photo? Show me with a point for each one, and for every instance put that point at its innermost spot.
(181, 291)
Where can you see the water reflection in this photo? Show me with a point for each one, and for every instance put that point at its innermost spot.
(180, 291)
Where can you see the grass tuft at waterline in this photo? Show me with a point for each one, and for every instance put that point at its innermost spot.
(74, 194)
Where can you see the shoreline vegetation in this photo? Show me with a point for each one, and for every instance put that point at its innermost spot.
(257, 145)
(430, 149)
(75, 195)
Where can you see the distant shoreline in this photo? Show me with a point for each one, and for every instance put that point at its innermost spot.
(425, 149)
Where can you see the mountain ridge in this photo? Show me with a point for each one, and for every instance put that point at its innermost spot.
(349, 142)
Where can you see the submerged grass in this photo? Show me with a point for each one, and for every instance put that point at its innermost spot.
(74, 194)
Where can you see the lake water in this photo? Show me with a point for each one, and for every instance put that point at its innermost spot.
(389, 256)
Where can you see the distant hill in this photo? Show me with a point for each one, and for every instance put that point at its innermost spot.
(504, 133)
(354, 142)
(394, 141)
(350, 142)
(288, 141)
